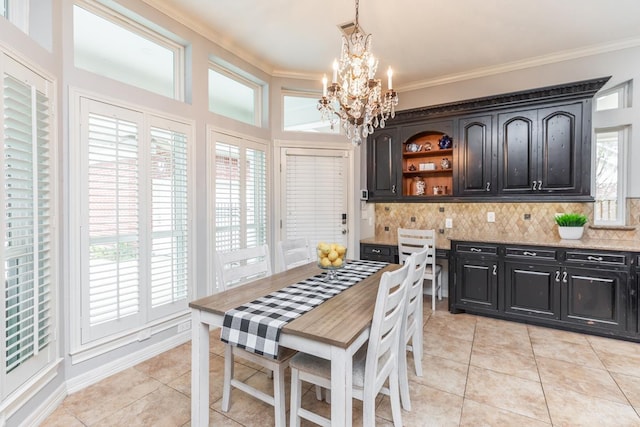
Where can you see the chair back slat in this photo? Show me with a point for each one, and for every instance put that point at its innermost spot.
(235, 268)
(413, 240)
(294, 253)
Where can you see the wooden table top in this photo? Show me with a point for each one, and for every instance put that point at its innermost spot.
(337, 321)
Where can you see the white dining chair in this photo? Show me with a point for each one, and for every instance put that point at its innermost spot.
(412, 326)
(240, 268)
(293, 253)
(411, 240)
(374, 364)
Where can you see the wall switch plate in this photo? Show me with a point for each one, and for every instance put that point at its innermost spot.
(491, 217)
(448, 223)
(184, 326)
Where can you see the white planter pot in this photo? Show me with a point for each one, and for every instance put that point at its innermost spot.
(570, 233)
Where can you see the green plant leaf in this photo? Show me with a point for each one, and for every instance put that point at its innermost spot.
(571, 220)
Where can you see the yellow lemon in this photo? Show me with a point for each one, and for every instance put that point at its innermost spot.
(337, 262)
(333, 255)
(341, 250)
(325, 262)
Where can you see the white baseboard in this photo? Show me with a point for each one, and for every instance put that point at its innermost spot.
(46, 408)
(111, 368)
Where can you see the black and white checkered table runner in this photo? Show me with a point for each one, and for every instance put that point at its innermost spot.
(256, 326)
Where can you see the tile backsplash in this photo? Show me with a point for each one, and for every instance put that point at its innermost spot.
(524, 219)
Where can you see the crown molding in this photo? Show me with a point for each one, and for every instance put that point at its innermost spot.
(523, 64)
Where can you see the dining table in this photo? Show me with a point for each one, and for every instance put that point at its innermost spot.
(334, 330)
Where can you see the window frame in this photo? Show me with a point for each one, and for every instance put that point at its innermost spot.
(623, 147)
(156, 36)
(17, 12)
(253, 84)
(151, 323)
(624, 96)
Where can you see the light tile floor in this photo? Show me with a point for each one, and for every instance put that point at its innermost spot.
(477, 372)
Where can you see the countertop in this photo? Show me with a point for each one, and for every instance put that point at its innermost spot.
(507, 238)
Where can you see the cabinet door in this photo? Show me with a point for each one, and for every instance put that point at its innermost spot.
(476, 284)
(517, 152)
(532, 290)
(595, 298)
(476, 156)
(559, 165)
(383, 162)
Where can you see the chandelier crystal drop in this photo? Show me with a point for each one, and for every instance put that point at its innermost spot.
(355, 96)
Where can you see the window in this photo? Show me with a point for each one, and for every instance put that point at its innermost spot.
(614, 98)
(28, 199)
(609, 176)
(17, 12)
(135, 218)
(239, 182)
(122, 50)
(234, 96)
(301, 114)
(610, 163)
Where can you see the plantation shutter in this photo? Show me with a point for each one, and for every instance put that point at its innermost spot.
(113, 174)
(169, 217)
(315, 195)
(28, 303)
(240, 181)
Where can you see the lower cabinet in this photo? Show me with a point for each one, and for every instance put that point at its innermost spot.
(385, 253)
(532, 290)
(587, 290)
(595, 298)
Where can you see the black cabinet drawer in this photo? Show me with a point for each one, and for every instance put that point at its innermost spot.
(467, 248)
(385, 253)
(531, 253)
(597, 258)
(377, 250)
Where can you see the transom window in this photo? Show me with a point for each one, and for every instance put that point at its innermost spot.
(126, 51)
(234, 96)
(301, 114)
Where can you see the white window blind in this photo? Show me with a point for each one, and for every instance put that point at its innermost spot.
(27, 254)
(240, 187)
(169, 217)
(137, 221)
(315, 195)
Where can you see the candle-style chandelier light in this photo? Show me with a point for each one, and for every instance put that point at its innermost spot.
(355, 96)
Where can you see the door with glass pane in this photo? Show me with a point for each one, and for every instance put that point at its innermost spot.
(314, 189)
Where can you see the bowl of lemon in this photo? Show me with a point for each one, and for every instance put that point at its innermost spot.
(331, 257)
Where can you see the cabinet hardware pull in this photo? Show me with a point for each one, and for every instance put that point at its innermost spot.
(564, 277)
(594, 258)
(495, 270)
(557, 275)
(539, 185)
(533, 187)
(393, 189)
(530, 253)
(488, 186)
(375, 251)
(475, 250)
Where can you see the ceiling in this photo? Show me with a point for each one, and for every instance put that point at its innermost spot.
(426, 42)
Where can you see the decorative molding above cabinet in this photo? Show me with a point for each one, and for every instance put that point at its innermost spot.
(532, 145)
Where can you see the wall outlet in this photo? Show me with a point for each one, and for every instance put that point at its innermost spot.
(448, 223)
(491, 217)
(144, 334)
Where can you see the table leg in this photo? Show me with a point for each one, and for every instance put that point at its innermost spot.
(199, 370)
(341, 387)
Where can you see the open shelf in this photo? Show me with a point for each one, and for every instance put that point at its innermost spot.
(438, 181)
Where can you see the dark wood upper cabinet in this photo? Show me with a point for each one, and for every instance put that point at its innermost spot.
(530, 145)
(476, 156)
(384, 174)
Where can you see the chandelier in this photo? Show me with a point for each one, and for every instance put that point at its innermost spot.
(355, 95)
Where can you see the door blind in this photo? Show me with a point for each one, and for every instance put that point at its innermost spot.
(27, 255)
(227, 197)
(315, 197)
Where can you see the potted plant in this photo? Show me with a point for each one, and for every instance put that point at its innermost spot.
(571, 225)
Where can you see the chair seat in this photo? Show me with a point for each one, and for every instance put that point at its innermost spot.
(322, 367)
(428, 271)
